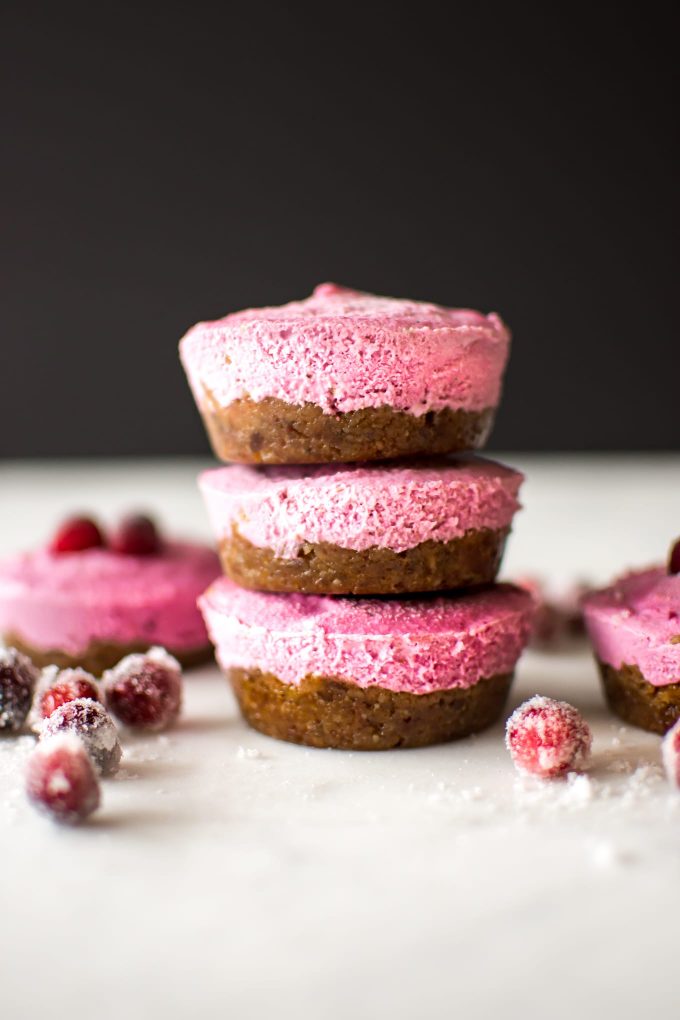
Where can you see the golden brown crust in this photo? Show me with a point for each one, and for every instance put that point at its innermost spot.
(322, 568)
(328, 712)
(637, 701)
(270, 431)
(101, 655)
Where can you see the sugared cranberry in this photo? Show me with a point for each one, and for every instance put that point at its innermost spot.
(61, 781)
(91, 723)
(547, 738)
(670, 753)
(145, 691)
(136, 535)
(674, 558)
(18, 677)
(76, 534)
(56, 687)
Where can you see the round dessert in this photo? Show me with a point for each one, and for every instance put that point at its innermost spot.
(90, 606)
(346, 376)
(368, 674)
(634, 627)
(362, 530)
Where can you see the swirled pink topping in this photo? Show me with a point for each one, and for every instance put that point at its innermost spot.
(636, 622)
(417, 645)
(395, 506)
(344, 350)
(65, 602)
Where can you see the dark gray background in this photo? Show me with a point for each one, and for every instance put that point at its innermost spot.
(170, 162)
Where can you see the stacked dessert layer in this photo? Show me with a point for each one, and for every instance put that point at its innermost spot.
(339, 378)
(362, 530)
(345, 376)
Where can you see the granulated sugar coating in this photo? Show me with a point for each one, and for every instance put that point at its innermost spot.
(670, 753)
(61, 780)
(145, 691)
(56, 687)
(92, 724)
(18, 677)
(547, 738)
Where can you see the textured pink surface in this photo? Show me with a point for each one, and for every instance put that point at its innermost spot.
(634, 622)
(344, 350)
(393, 506)
(416, 645)
(66, 601)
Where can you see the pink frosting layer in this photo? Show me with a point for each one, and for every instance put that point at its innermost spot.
(394, 506)
(344, 350)
(636, 622)
(416, 645)
(66, 601)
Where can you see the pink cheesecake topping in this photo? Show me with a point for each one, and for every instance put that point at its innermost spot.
(636, 622)
(345, 350)
(417, 645)
(63, 602)
(394, 506)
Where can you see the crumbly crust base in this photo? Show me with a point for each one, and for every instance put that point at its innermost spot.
(270, 431)
(329, 712)
(101, 655)
(322, 568)
(637, 701)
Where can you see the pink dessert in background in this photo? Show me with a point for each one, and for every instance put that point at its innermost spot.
(413, 645)
(66, 601)
(636, 622)
(344, 350)
(394, 506)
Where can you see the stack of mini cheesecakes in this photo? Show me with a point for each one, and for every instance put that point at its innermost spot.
(359, 537)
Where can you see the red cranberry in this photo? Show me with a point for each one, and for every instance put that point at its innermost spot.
(670, 753)
(59, 686)
(137, 535)
(18, 676)
(76, 534)
(91, 723)
(145, 691)
(547, 738)
(674, 558)
(61, 781)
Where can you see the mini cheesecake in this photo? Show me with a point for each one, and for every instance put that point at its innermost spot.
(362, 530)
(346, 376)
(91, 607)
(368, 674)
(634, 627)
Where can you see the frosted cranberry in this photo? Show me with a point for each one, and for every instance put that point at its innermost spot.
(547, 738)
(61, 781)
(670, 753)
(18, 676)
(90, 722)
(674, 559)
(59, 686)
(145, 691)
(136, 535)
(76, 534)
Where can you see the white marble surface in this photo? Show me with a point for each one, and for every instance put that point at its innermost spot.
(229, 875)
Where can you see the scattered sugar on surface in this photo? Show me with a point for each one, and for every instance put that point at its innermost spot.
(14, 753)
(573, 792)
(248, 752)
(469, 803)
